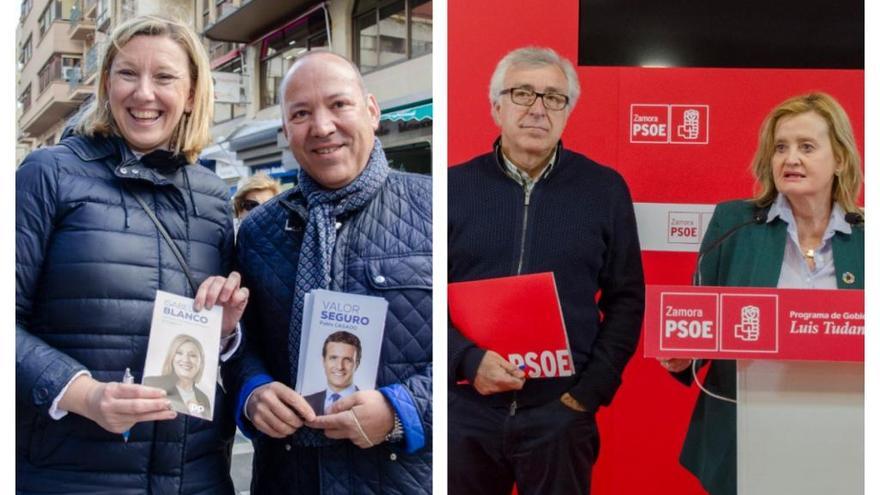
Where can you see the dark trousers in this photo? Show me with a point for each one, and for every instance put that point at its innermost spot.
(545, 450)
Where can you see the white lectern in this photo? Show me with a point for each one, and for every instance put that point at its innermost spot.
(800, 427)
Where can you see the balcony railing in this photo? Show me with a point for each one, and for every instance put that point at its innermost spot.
(79, 89)
(225, 8)
(82, 21)
(80, 9)
(54, 71)
(91, 62)
(74, 77)
(25, 102)
(76, 13)
(49, 73)
(102, 21)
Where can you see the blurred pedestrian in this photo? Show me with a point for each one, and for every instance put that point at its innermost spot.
(255, 191)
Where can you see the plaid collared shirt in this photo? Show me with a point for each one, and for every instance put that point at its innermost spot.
(522, 177)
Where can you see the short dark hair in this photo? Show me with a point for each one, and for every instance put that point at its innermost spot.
(344, 337)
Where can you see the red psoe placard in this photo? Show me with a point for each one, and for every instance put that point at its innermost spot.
(754, 323)
(518, 317)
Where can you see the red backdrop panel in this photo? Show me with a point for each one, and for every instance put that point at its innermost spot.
(642, 431)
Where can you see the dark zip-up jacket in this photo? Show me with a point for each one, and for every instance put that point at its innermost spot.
(578, 223)
(751, 257)
(88, 263)
(382, 250)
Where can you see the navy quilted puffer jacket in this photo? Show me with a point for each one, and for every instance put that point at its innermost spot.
(382, 250)
(88, 264)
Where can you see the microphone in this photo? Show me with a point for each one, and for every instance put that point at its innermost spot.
(759, 217)
(854, 218)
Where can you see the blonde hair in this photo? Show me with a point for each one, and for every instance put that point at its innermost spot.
(168, 366)
(847, 184)
(193, 132)
(257, 182)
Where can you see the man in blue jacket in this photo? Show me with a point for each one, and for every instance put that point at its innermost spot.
(532, 206)
(350, 225)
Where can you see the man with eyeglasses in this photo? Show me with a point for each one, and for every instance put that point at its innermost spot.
(533, 206)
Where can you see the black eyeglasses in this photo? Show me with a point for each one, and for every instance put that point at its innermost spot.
(249, 204)
(526, 97)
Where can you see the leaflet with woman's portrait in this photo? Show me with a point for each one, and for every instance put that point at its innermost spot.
(183, 353)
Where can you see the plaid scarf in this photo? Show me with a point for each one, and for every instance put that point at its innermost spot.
(319, 237)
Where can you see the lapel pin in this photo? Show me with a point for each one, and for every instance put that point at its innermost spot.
(849, 278)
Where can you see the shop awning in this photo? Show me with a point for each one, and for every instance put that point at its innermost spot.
(254, 18)
(255, 133)
(419, 112)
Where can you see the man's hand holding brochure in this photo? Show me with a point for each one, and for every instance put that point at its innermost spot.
(346, 331)
(340, 347)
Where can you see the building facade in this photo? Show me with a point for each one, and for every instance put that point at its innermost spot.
(252, 43)
(58, 43)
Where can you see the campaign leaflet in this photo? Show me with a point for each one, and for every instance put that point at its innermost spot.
(518, 317)
(183, 353)
(340, 344)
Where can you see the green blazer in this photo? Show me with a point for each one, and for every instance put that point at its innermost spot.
(752, 257)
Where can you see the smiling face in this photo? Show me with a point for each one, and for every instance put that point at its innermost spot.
(340, 361)
(149, 89)
(531, 131)
(187, 361)
(328, 120)
(803, 160)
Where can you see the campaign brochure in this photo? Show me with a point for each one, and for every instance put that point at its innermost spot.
(340, 344)
(183, 353)
(518, 317)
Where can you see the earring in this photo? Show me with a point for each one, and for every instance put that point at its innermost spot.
(107, 105)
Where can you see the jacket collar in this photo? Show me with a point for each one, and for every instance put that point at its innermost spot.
(124, 162)
(93, 148)
(294, 203)
(848, 249)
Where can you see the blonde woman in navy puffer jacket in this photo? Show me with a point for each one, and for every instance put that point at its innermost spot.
(89, 262)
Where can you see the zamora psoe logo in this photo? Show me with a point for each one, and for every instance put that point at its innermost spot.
(690, 129)
(749, 327)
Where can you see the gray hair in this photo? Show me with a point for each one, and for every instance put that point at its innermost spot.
(534, 56)
(311, 53)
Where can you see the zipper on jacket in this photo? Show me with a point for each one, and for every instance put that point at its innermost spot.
(522, 252)
(522, 243)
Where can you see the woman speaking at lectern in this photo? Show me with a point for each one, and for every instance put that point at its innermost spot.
(803, 229)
